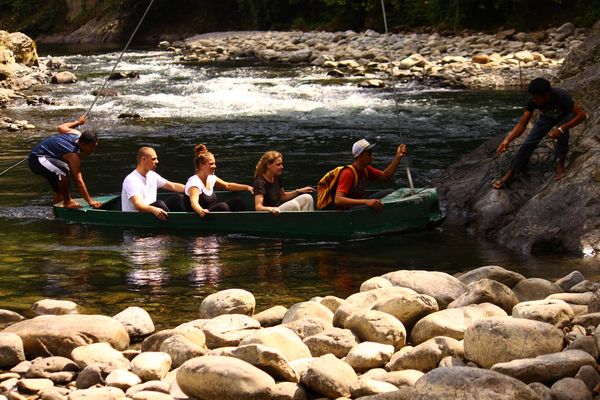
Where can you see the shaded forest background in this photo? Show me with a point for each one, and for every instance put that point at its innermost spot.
(36, 17)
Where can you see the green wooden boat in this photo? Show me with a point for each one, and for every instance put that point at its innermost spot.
(402, 212)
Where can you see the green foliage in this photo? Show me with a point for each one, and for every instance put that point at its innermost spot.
(43, 16)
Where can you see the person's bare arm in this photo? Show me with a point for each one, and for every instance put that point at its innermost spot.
(194, 196)
(515, 132)
(75, 166)
(146, 208)
(341, 200)
(580, 116)
(286, 196)
(233, 187)
(69, 126)
(391, 169)
(258, 205)
(173, 187)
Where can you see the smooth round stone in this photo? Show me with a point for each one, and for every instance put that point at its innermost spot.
(570, 389)
(60, 334)
(54, 307)
(500, 339)
(442, 287)
(554, 312)
(330, 377)
(379, 327)
(101, 354)
(376, 282)
(181, 349)
(136, 321)
(307, 309)
(279, 338)
(336, 341)
(427, 355)
(369, 355)
(122, 379)
(11, 350)
(151, 365)
(105, 393)
(271, 316)
(230, 301)
(224, 378)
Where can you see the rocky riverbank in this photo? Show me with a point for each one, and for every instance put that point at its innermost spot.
(535, 212)
(406, 335)
(470, 60)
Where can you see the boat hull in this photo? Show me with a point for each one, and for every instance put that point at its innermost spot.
(402, 212)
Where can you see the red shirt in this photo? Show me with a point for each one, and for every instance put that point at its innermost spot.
(346, 181)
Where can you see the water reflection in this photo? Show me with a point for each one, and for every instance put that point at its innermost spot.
(205, 261)
(147, 254)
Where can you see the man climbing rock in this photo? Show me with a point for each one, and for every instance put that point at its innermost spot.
(559, 113)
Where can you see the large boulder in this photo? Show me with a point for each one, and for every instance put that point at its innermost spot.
(23, 48)
(570, 389)
(268, 359)
(409, 308)
(230, 301)
(452, 322)
(64, 77)
(136, 321)
(151, 365)
(101, 393)
(307, 309)
(487, 291)
(379, 327)
(427, 355)
(228, 330)
(270, 317)
(101, 354)
(336, 341)
(535, 289)
(330, 377)
(59, 370)
(489, 341)
(54, 307)
(369, 355)
(181, 349)
(11, 350)
(224, 378)
(555, 312)
(442, 287)
(190, 332)
(570, 280)
(458, 383)
(59, 335)
(494, 272)
(306, 327)
(363, 301)
(282, 339)
(547, 368)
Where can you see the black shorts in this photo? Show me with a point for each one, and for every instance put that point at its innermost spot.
(50, 168)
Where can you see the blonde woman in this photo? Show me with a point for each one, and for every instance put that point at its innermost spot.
(269, 194)
(200, 196)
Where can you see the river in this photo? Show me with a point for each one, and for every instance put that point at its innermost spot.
(239, 110)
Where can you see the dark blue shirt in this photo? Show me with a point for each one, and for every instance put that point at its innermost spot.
(58, 145)
(561, 104)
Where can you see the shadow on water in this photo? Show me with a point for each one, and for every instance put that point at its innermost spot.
(239, 111)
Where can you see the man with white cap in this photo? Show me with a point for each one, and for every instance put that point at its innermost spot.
(351, 185)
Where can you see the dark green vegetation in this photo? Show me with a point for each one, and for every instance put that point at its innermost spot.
(196, 16)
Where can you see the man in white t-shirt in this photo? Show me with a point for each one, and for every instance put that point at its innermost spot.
(141, 185)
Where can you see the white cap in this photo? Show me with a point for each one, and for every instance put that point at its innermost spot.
(360, 146)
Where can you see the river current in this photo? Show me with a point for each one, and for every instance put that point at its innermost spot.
(239, 110)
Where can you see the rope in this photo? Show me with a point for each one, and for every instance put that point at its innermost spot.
(105, 81)
(13, 167)
(395, 92)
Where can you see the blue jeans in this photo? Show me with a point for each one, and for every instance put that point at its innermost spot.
(542, 126)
